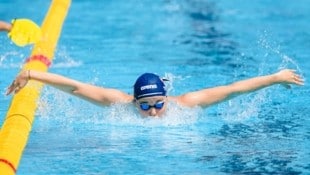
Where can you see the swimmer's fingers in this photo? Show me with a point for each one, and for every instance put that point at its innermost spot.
(19, 83)
(12, 87)
(296, 78)
(289, 76)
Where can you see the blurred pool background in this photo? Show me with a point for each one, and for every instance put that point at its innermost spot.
(196, 44)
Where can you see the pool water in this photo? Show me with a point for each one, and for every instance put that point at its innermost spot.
(196, 44)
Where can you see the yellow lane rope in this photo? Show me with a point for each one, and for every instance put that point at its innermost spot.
(18, 122)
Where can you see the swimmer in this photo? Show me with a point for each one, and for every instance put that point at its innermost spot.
(149, 93)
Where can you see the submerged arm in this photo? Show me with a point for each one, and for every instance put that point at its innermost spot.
(98, 95)
(210, 96)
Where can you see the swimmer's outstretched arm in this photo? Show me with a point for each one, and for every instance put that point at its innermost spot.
(95, 94)
(214, 95)
(4, 26)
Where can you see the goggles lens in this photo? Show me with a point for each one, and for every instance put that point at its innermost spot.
(146, 106)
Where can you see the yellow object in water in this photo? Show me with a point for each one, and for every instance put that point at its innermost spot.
(24, 32)
(17, 124)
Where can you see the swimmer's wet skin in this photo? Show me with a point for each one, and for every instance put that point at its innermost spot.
(150, 94)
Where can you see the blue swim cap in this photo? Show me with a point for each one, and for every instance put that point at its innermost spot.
(148, 85)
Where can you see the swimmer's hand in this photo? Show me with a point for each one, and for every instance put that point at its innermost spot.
(20, 82)
(288, 76)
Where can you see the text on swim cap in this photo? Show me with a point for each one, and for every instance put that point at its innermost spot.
(151, 86)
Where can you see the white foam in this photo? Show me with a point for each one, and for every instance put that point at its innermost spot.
(127, 114)
(56, 105)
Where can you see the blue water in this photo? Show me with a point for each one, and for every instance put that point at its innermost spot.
(196, 44)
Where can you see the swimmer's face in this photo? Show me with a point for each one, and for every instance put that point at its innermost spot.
(152, 106)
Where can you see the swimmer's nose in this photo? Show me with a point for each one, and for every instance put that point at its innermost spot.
(152, 112)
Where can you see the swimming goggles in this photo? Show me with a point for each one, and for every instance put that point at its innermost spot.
(157, 105)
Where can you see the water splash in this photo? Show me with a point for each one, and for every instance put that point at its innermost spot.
(64, 60)
(274, 48)
(11, 59)
(243, 108)
(67, 110)
(171, 79)
(127, 115)
(249, 106)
